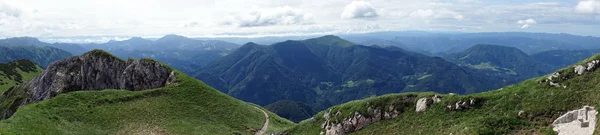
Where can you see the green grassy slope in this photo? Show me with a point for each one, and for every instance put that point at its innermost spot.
(292, 110)
(16, 72)
(190, 107)
(496, 112)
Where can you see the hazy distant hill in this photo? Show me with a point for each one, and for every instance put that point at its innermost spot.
(508, 63)
(182, 53)
(42, 56)
(563, 58)
(436, 42)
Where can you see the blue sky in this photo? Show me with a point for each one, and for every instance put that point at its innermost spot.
(111, 19)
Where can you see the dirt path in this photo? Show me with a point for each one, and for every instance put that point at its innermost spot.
(266, 125)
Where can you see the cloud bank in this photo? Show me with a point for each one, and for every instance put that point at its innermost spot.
(359, 9)
(8, 10)
(285, 15)
(588, 7)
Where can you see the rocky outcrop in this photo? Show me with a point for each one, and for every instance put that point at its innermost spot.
(356, 121)
(579, 69)
(421, 105)
(576, 122)
(335, 124)
(554, 79)
(462, 105)
(96, 70)
(436, 98)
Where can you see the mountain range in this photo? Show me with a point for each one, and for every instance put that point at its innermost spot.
(295, 79)
(329, 70)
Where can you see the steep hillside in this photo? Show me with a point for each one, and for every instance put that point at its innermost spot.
(164, 101)
(329, 70)
(529, 107)
(42, 56)
(17, 72)
(508, 63)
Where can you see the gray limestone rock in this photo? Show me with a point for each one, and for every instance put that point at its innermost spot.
(579, 69)
(97, 70)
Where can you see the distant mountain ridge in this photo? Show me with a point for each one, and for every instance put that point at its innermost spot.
(563, 58)
(41, 55)
(329, 70)
(452, 42)
(508, 63)
(182, 53)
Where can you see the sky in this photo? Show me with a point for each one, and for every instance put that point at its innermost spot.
(111, 19)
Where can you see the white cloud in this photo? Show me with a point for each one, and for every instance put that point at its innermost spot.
(285, 15)
(422, 13)
(8, 10)
(588, 7)
(437, 14)
(359, 9)
(526, 23)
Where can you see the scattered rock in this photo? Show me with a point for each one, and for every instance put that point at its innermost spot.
(460, 105)
(521, 114)
(592, 65)
(553, 75)
(437, 98)
(358, 121)
(579, 69)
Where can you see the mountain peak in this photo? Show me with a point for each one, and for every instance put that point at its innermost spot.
(24, 40)
(172, 37)
(136, 39)
(330, 40)
(101, 54)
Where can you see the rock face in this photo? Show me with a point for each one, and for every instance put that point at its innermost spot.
(576, 122)
(95, 70)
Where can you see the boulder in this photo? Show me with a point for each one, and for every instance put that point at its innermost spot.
(521, 114)
(592, 65)
(579, 69)
(421, 105)
(576, 122)
(436, 98)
